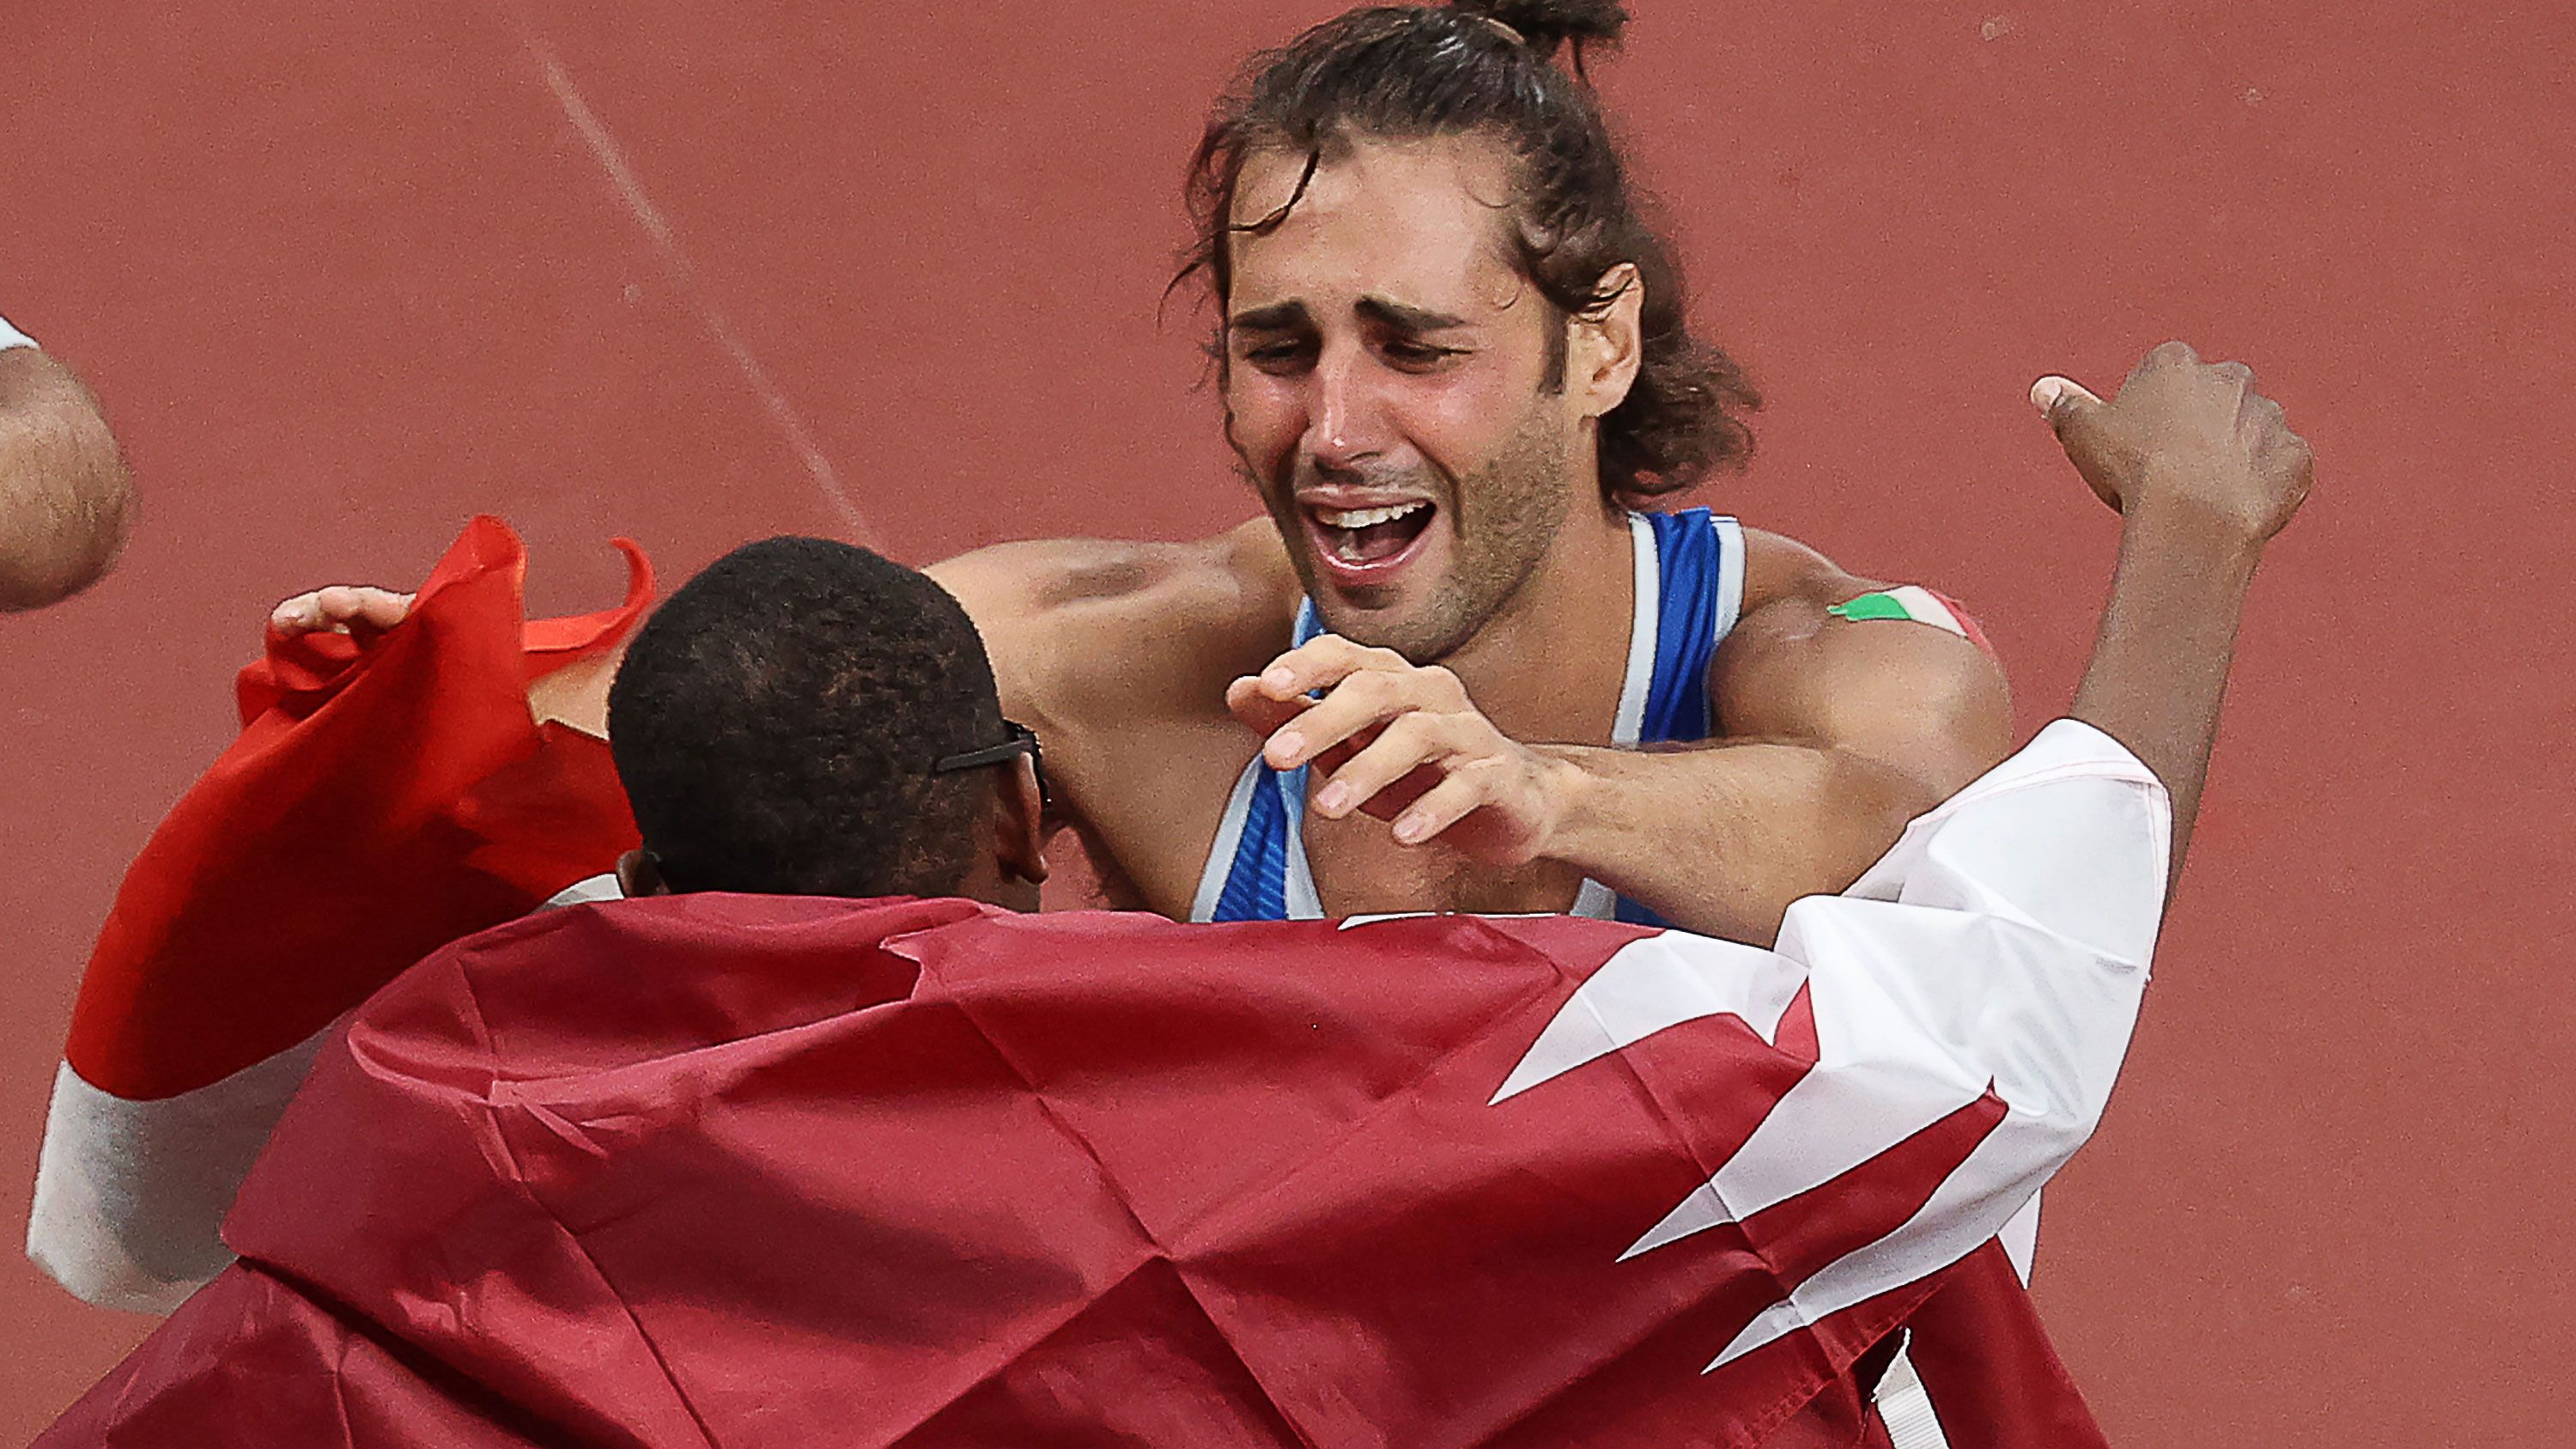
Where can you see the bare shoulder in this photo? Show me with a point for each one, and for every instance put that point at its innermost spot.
(66, 500)
(1069, 621)
(1779, 569)
(1897, 687)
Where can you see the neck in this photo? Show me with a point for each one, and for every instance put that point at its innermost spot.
(1548, 668)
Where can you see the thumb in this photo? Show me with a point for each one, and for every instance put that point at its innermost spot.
(2069, 407)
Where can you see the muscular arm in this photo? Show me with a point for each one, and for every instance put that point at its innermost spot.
(1838, 734)
(64, 495)
(1118, 654)
(1867, 724)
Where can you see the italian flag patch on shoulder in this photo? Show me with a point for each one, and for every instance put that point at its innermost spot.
(1918, 604)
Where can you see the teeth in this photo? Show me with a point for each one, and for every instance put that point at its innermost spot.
(1364, 517)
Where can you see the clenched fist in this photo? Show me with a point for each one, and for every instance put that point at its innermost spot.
(2184, 437)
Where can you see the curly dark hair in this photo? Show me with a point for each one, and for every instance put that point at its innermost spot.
(776, 720)
(1484, 66)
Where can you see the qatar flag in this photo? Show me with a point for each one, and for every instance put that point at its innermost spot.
(744, 1170)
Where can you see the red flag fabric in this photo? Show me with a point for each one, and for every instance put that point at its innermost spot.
(201, 972)
(743, 1170)
(387, 794)
(1979, 1394)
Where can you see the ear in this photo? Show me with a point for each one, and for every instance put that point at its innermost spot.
(1019, 825)
(638, 874)
(1601, 364)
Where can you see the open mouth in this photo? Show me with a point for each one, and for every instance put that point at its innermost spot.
(1368, 541)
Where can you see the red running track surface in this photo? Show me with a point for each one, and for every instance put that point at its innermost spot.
(347, 274)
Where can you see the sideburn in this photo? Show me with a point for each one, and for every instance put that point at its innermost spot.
(1551, 381)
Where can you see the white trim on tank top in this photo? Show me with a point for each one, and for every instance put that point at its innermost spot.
(1229, 840)
(1594, 899)
(1645, 625)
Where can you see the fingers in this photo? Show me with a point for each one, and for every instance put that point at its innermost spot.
(299, 615)
(1321, 663)
(1466, 790)
(1362, 687)
(2165, 354)
(1410, 743)
(1403, 742)
(1425, 772)
(379, 608)
(1257, 711)
(2073, 412)
(1363, 699)
(2056, 396)
(337, 608)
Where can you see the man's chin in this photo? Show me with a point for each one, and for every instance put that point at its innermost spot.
(1390, 621)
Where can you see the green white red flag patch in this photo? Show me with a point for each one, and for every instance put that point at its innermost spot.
(1919, 604)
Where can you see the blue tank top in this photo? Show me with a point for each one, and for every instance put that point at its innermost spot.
(1690, 587)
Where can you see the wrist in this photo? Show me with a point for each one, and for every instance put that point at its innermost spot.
(1566, 791)
(2184, 528)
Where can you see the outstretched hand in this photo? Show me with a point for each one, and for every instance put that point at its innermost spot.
(1403, 743)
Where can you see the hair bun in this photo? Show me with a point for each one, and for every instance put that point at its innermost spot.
(1546, 24)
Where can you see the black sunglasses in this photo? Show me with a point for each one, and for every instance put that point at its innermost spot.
(1023, 741)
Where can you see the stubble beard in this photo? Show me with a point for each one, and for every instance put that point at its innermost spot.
(1503, 518)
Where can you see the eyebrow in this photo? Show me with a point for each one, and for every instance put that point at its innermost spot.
(1282, 316)
(1277, 317)
(1409, 319)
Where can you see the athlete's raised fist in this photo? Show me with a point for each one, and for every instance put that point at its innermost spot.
(2184, 437)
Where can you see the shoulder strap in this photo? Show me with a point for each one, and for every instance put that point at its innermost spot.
(1256, 867)
(1700, 558)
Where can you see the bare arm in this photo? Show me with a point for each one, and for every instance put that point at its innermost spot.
(2205, 471)
(1867, 731)
(1088, 633)
(1117, 654)
(65, 500)
(1838, 734)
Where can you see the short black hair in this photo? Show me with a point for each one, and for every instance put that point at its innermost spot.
(776, 720)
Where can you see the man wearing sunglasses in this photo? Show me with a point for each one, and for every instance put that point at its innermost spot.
(805, 718)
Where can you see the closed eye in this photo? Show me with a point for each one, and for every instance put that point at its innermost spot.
(1418, 356)
(1279, 356)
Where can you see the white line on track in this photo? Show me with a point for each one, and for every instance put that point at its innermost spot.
(612, 159)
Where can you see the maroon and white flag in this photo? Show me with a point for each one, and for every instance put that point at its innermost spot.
(743, 1170)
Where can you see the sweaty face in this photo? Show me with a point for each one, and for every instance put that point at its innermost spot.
(1387, 389)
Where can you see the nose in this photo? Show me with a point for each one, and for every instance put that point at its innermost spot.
(1345, 422)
